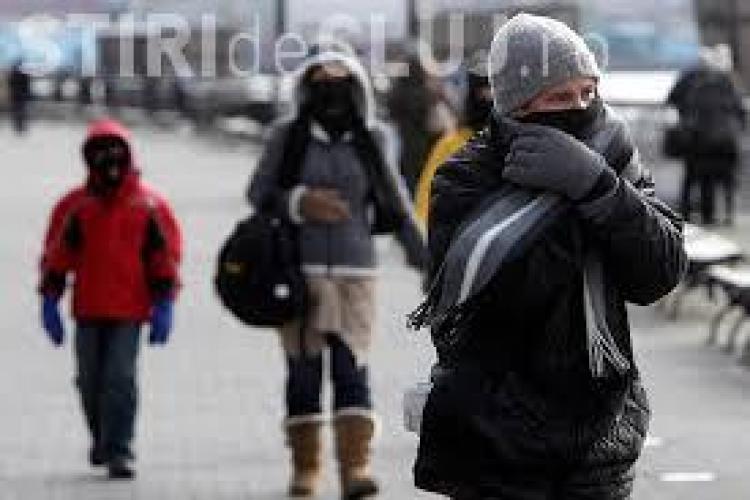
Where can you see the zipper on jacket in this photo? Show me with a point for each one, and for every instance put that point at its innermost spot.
(329, 181)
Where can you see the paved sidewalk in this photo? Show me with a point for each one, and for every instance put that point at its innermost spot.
(211, 400)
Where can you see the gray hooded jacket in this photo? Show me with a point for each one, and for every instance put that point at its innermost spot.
(346, 248)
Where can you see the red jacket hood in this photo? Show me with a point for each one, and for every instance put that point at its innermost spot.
(108, 127)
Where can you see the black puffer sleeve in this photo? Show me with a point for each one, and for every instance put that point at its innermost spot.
(639, 236)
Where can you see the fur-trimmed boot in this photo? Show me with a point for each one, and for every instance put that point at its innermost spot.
(304, 441)
(354, 435)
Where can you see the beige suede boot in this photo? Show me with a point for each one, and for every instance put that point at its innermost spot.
(304, 441)
(354, 434)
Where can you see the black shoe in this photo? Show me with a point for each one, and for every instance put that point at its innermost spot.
(97, 457)
(363, 488)
(120, 469)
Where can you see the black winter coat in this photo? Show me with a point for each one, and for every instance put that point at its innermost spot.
(712, 113)
(517, 399)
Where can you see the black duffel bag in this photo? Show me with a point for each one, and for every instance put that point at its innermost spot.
(258, 276)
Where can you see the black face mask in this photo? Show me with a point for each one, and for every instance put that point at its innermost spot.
(107, 177)
(478, 104)
(478, 113)
(575, 122)
(331, 103)
(108, 161)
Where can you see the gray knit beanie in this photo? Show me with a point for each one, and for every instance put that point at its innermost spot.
(531, 53)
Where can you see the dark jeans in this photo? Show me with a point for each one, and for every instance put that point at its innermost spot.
(19, 116)
(351, 388)
(106, 354)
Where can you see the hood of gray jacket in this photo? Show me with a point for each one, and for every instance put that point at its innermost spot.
(365, 98)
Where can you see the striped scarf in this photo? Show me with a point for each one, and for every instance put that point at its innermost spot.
(503, 229)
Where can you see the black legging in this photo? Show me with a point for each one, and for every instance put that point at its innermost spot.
(707, 173)
(351, 386)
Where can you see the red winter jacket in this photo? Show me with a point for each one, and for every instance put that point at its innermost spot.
(123, 250)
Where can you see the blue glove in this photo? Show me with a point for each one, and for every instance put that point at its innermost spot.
(52, 321)
(161, 322)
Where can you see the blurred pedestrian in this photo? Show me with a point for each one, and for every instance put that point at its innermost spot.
(411, 104)
(476, 113)
(325, 170)
(121, 243)
(541, 229)
(19, 85)
(181, 98)
(712, 117)
(85, 95)
(151, 95)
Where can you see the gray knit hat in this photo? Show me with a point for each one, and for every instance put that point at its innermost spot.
(531, 53)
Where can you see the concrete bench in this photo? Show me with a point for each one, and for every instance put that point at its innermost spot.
(704, 250)
(735, 282)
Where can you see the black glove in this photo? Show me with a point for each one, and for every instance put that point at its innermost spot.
(545, 158)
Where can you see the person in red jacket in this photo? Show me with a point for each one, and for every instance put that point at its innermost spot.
(120, 241)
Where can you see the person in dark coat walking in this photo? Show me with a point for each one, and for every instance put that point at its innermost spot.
(536, 394)
(712, 114)
(410, 105)
(19, 84)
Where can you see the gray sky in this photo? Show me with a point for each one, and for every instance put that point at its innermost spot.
(305, 12)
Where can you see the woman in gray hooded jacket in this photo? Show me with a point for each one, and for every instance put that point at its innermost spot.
(326, 169)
